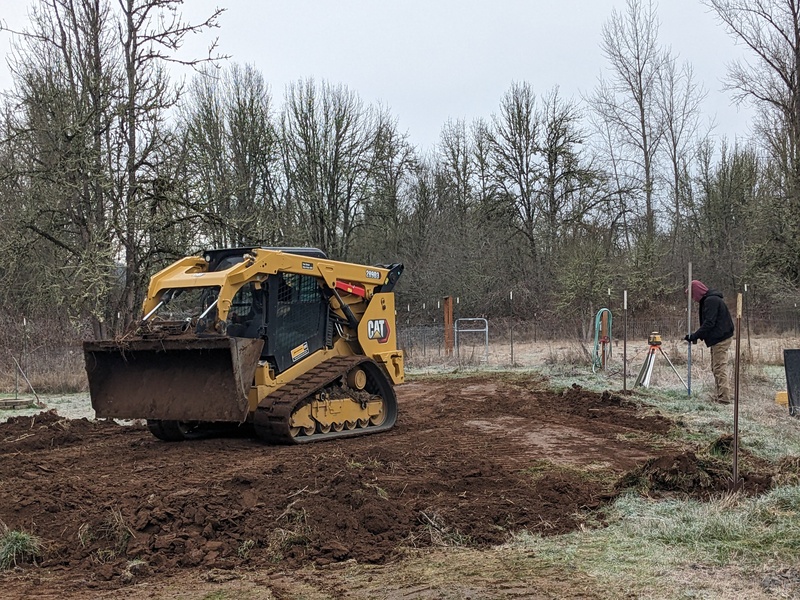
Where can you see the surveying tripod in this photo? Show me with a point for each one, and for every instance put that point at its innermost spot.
(654, 341)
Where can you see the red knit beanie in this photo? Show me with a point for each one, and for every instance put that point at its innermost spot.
(699, 290)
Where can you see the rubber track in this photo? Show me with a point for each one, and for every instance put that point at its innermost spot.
(271, 419)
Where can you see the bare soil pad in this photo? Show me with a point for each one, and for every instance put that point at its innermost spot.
(470, 462)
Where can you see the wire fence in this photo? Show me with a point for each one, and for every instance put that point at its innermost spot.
(51, 355)
(509, 341)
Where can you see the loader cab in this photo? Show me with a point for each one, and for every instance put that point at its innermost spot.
(289, 311)
(296, 320)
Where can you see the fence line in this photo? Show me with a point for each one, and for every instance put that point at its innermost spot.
(426, 343)
(40, 346)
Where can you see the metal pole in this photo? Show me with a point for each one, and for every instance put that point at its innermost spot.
(605, 338)
(24, 358)
(625, 343)
(511, 306)
(689, 332)
(747, 321)
(736, 483)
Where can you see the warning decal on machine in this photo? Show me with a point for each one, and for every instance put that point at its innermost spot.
(299, 352)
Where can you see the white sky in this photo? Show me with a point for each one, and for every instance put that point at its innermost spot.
(433, 60)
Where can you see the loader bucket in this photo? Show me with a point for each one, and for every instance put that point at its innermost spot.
(182, 379)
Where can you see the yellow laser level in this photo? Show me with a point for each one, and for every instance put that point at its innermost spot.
(654, 345)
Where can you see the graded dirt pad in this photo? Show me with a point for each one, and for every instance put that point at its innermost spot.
(470, 462)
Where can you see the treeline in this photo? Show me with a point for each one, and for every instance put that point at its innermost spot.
(109, 171)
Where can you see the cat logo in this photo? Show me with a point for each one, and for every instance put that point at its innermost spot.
(378, 329)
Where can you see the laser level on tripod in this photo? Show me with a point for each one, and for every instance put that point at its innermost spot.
(646, 372)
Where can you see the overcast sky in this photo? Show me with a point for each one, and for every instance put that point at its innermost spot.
(433, 60)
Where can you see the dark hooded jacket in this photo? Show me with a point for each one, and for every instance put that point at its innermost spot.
(716, 324)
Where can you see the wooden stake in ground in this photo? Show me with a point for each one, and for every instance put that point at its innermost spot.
(511, 307)
(448, 326)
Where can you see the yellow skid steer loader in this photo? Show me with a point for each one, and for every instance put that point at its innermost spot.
(297, 346)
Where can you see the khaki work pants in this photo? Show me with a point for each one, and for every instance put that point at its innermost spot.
(719, 367)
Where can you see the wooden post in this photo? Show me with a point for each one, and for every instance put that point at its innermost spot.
(736, 481)
(448, 325)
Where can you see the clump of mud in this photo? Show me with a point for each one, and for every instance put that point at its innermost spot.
(614, 408)
(49, 430)
(685, 475)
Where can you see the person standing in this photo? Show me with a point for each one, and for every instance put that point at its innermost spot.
(716, 330)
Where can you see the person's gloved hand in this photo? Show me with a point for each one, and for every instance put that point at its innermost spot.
(690, 338)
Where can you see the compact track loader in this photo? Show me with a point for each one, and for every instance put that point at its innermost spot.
(297, 346)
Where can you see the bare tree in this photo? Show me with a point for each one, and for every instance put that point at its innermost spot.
(96, 160)
(567, 187)
(384, 235)
(67, 85)
(150, 33)
(770, 80)
(232, 157)
(627, 102)
(328, 138)
(679, 99)
(485, 186)
(730, 213)
(419, 257)
(513, 148)
(453, 157)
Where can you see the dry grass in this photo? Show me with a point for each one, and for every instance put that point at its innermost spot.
(527, 353)
(62, 373)
(17, 547)
(111, 535)
(294, 530)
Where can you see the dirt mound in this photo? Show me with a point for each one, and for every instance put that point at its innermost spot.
(470, 462)
(607, 408)
(49, 430)
(685, 474)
